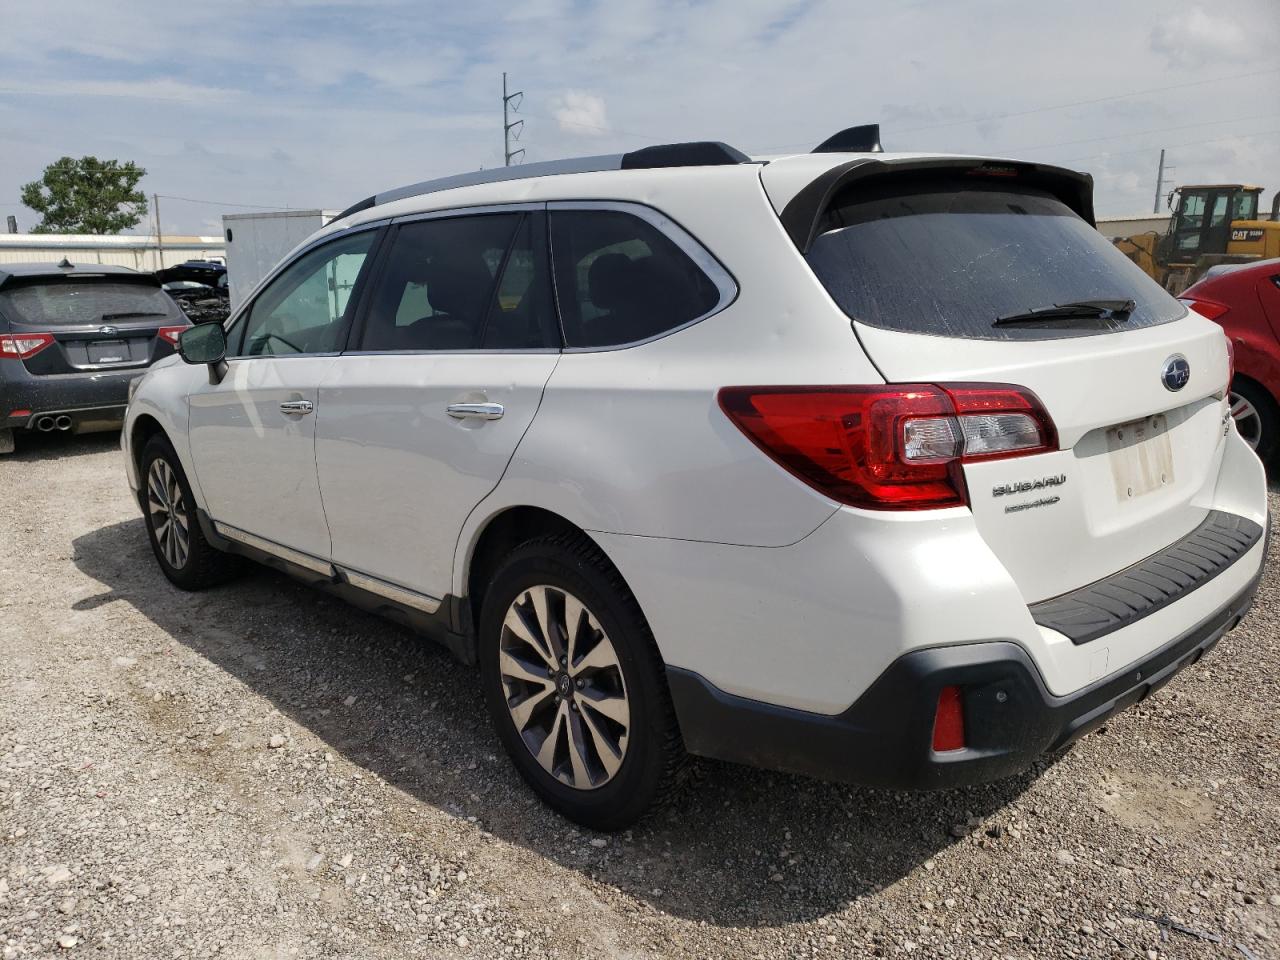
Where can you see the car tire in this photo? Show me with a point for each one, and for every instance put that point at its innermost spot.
(1257, 418)
(6, 441)
(173, 528)
(593, 732)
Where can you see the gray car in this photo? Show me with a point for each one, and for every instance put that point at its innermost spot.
(72, 337)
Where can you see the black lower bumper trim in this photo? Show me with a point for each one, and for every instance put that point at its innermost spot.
(885, 738)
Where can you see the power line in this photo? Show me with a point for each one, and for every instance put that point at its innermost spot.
(1059, 106)
(1140, 133)
(1189, 143)
(221, 203)
(1085, 103)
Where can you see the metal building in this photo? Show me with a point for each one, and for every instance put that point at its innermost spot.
(139, 251)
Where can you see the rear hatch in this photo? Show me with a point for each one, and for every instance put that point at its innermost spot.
(88, 323)
(989, 276)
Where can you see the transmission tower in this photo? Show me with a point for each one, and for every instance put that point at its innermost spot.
(511, 130)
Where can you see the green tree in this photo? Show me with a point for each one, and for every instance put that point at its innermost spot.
(87, 196)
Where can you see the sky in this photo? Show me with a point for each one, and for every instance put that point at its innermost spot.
(309, 103)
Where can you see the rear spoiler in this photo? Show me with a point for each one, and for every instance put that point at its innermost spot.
(803, 213)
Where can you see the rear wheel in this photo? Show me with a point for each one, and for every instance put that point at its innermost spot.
(575, 686)
(6, 441)
(185, 556)
(1257, 419)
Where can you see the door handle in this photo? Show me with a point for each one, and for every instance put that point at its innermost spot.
(297, 407)
(475, 411)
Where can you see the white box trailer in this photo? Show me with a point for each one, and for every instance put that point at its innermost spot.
(256, 242)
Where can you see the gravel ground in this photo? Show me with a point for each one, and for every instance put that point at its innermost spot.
(260, 771)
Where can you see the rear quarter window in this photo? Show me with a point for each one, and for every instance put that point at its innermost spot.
(947, 259)
(621, 280)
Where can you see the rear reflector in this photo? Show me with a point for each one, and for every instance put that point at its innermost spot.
(19, 413)
(170, 334)
(948, 722)
(20, 346)
(890, 447)
(1210, 309)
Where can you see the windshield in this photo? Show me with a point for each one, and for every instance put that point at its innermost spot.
(48, 304)
(948, 259)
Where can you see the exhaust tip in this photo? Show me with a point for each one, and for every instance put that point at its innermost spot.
(45, 424)
(63, 422)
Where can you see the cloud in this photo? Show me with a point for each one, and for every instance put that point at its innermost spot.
(316, 103)
(162, 89)
(582, 114)
(1195, 37)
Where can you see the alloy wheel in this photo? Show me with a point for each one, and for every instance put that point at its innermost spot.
(168, 513)
(1248, 420)
(564, 687)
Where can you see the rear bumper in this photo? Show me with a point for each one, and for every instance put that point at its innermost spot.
(88, 399)
(885, 738)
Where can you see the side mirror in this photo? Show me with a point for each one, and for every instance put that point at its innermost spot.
(205, 343)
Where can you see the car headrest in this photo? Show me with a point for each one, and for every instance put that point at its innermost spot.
(458, 285)
(611, 280)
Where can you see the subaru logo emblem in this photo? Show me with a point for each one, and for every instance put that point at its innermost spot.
(1176, 373)
(108, 331)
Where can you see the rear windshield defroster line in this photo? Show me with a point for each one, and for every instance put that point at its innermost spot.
(948, 258)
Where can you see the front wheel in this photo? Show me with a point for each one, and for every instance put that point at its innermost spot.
(182, 551)
(575, 686)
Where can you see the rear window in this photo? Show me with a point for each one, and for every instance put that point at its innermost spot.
(77, 302)
(948, 260)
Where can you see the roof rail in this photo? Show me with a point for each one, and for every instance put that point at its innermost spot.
(861, 139)
(696, 154)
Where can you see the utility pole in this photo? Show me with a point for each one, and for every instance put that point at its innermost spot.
(1159, 183)
(155, 200)
(510, 130)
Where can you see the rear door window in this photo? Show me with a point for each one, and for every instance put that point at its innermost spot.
(948, 259)
(464, 283)
(621, 280)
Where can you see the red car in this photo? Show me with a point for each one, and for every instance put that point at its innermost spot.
(1245, 300)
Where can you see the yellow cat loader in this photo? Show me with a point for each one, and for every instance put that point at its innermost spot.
(1211, 224)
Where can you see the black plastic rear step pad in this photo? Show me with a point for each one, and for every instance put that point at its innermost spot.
(1142, 589)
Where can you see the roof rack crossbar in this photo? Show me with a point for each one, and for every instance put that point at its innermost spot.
(702, 153)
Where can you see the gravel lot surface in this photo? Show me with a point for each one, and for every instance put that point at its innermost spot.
(260, 771)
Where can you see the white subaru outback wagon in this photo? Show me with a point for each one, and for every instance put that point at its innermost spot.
(877, 467)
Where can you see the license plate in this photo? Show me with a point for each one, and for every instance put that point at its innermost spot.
(108, 351)
(1141, 457)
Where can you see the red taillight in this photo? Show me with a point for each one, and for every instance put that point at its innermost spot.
(1209, 309)
(170, 334)
(948, 721)
(891, 447)
(20, 346)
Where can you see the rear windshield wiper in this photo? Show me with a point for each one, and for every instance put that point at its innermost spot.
(1077, 310)
(133, 313)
